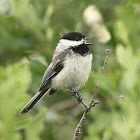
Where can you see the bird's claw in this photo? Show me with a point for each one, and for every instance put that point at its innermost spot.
(79, 98)
(72, 93)
(75, 93)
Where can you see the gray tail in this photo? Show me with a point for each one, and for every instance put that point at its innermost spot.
(36, 98)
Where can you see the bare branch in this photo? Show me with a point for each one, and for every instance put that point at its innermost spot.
(91, 104)
(105, 62)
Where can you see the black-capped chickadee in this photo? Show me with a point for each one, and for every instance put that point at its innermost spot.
(69, 69)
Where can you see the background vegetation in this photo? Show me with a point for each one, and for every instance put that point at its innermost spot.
(29, 32)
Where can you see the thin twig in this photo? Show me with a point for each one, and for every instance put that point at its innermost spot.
(88, 107)
(105, 62)
(77, 97)
(91, 104)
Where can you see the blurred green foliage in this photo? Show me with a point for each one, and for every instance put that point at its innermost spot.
(29, 32)
(14, 81)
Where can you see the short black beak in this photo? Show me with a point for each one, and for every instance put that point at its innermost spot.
(86, 38)
(88, 43)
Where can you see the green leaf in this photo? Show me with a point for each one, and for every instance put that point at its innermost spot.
(15, 80)
(130, 63)
(27, 17)
(121, 32)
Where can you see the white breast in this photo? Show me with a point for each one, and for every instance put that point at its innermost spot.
(75, 72)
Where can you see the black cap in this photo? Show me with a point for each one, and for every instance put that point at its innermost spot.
(74, 36)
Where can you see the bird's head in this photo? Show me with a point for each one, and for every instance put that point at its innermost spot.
(72, 39)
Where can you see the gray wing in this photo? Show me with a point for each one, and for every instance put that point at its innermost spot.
(54, 68)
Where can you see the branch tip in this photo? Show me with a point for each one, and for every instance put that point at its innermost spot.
(97, 101)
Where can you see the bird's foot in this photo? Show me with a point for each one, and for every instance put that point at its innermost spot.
(75, 93)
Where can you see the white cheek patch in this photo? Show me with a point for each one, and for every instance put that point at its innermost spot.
(65, 44)
(70, 42)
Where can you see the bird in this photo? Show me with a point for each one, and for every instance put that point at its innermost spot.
(69, 69)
